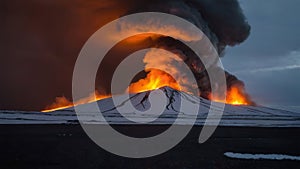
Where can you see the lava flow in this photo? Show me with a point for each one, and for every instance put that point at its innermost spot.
(155, 79)
(63, 102)
(234, 96)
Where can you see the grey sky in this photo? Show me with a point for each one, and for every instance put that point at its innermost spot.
(269, 60)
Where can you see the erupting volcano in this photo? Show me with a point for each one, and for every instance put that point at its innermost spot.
(155, 79)
(221, 30)
(133, 84)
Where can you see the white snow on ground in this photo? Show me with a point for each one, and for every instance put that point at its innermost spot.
(261, 156)
(233, 115)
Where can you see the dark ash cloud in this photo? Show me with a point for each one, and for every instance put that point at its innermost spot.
(40, 40)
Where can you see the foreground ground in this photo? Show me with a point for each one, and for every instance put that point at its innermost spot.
(67, 146)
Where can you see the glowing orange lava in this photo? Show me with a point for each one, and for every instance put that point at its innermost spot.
(155, 79)
(63, 102)
(234, 96)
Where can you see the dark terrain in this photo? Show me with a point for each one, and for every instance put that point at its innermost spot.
(67, 146)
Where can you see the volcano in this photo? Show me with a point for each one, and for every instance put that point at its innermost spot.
(234, 115)
(248, 136)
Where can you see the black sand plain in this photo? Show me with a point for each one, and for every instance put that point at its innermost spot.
(66, 146)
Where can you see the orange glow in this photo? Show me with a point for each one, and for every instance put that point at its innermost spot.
(155, 79)
(60, 103)
(234, 96)
(63, 102)
(140, 38)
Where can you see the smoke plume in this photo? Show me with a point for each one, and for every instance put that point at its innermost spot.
(222, 27)
(40, 41)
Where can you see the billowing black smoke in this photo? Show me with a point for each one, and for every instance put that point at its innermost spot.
(221, 20)
(40, 41)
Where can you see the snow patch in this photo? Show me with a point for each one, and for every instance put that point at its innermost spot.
(261, 156)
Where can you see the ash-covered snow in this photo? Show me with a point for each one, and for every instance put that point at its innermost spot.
(233, 115)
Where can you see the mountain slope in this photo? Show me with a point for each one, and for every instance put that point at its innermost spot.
(233, 115)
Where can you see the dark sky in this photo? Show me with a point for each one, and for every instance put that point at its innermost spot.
(40, 41)
(269, 60)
